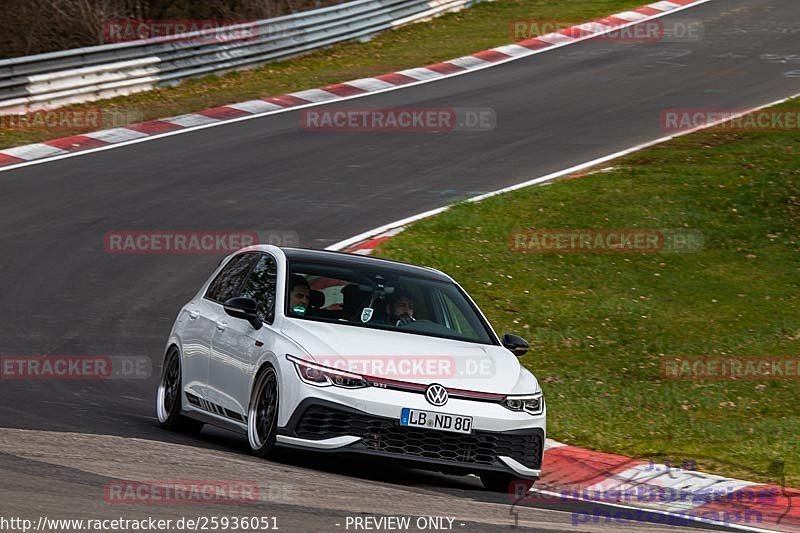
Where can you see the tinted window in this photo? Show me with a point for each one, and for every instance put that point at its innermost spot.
(260, 286)
(370, 296)
(226, 285)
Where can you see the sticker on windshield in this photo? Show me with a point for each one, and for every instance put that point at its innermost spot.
(366, 314)
(299, 310)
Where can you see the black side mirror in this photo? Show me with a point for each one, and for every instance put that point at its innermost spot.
(244, 308)
(517, 345)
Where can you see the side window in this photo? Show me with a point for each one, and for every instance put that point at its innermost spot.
(261, 287)
(226, 285)
(460, 323)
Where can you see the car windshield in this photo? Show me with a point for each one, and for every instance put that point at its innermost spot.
(384, 298)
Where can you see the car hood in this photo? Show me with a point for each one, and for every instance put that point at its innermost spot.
(408, 357)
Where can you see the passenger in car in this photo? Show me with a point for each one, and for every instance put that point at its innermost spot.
(317, 307)
(316, 299)
(299, 294)
(353, 303)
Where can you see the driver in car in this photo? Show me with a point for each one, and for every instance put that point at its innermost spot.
(400, 309)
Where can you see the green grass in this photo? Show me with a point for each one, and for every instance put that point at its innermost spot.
(599, 324)
(483, 26)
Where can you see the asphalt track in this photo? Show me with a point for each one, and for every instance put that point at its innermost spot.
(62, 294)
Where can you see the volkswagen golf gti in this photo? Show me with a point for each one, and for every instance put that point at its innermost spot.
(342, 353)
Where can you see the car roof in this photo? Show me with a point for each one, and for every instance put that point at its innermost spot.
(354, 260)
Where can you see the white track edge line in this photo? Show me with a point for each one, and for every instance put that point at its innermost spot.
(328, 102)
(549, 177)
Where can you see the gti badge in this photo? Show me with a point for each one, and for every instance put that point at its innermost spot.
(436, 394)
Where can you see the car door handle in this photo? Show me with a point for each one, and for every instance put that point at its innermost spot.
(222, 326)
(193, 315)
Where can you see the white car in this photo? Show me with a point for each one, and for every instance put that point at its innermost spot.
(335, 352)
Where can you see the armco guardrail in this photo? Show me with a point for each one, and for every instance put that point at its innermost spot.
(45, 81)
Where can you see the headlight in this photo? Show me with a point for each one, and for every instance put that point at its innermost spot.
(533, 404)
(323, 376)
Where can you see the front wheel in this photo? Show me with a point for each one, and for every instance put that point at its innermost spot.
(168, 397)
(262, 418)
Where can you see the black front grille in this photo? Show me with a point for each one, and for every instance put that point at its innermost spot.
(385, 435)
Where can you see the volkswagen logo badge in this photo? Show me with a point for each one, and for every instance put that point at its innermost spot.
(436, 394)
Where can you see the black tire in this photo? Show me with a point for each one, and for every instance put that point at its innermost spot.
(499, 482)
(262, 415)
(168, 403)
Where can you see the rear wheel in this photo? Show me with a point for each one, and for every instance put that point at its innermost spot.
(168, 397)
(262, 419)
(499, 482)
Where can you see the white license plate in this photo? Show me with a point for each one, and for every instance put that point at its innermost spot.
(439, 421)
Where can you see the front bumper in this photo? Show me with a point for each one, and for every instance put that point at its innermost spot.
(329, 426)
